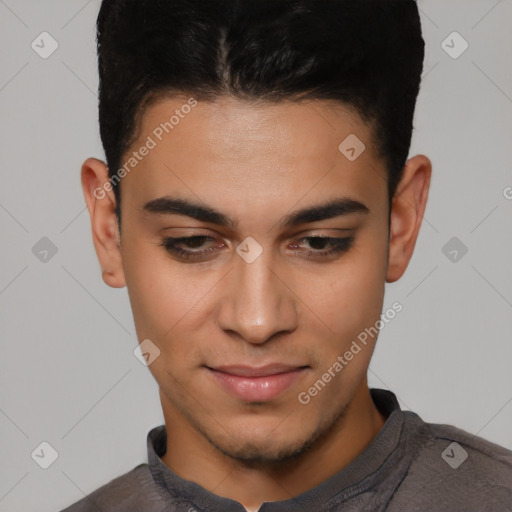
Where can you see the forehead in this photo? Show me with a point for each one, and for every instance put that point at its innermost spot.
(259, 151)
(311, 126)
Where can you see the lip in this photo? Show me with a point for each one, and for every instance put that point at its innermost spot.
(257, 384)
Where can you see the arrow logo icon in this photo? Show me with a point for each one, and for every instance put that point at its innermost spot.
(455, 250)
(146, 352)
(44, 455)
(249, 249)
(454, 45)
(44, 45)
(454, 455)
(352, 147)
(44, 250)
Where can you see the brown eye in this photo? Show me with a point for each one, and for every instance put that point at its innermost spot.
(191, 247)
(323, 246)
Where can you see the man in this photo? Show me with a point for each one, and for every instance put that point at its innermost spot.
(257, 197)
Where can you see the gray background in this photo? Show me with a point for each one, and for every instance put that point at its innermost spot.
(68, 375)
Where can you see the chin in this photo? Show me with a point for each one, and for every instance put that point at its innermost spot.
(266, 448)
(275, 444)
(265, 453)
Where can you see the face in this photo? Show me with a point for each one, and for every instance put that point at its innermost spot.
(255, 252)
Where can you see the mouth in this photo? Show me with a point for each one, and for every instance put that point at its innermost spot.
(257, 384)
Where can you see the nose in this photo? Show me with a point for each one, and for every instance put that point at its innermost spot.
(257, 303)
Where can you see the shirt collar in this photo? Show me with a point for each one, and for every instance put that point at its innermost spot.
(368, 462)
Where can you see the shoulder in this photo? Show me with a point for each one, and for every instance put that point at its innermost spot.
(458, 449)
(451, 467)
(132, 491)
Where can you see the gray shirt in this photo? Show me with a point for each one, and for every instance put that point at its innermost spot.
(410, 466)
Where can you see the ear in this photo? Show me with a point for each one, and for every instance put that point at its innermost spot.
(407, 211)
(101, 204)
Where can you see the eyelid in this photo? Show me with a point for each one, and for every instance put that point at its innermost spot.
(186, 232)
(339, 246)
(306, 233)
(322, 232)
(334, 239)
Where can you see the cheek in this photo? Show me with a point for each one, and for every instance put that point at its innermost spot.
(351, 305)
(157, 290)
(171, 302)
(350, 299)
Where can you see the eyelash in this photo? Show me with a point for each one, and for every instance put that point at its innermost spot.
(171, 245)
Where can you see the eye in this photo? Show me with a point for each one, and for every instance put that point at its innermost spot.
(323, 246)
(192, 247)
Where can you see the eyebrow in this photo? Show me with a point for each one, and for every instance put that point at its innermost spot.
(330, 209)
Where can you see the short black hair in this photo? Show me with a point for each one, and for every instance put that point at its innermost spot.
(366, 54)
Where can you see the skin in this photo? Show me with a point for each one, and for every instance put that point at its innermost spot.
(256, 164)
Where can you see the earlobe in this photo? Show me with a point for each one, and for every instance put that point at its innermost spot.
(101, 202)
(407, 212)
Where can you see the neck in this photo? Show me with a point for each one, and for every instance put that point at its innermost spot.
(193, 458)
